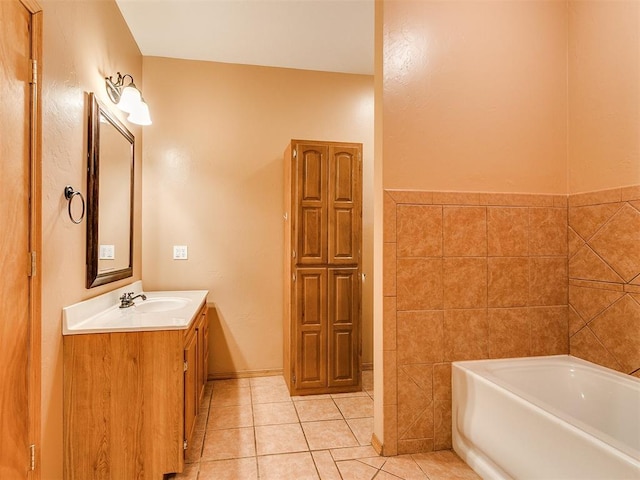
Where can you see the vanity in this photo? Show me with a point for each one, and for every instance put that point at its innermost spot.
(133, 382)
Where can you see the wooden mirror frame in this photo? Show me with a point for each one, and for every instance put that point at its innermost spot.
(94, 277)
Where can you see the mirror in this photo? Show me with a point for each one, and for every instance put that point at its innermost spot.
(109, 197)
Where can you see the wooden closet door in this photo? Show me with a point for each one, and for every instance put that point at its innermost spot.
(311, 190)
(311, 328)
(345, 205)
(20, 34)
(344, 327)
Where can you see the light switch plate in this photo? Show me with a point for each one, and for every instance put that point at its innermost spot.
(107, 252)
(179, 252)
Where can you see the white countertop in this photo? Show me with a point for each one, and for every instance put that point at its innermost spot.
(102, 314)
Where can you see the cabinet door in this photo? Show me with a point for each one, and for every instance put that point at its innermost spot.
(311, 204)
(311, 327)
(202, 352)
(344, 327)
(205, 343)
(190, 383)
(344, 204)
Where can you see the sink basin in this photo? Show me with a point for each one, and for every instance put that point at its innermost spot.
(163, 310)
(160, 304)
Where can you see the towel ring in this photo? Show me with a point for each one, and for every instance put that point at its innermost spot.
(69, 193)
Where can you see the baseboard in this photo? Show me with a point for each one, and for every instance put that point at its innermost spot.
(376, 444)
(244, 374)
(261, 373)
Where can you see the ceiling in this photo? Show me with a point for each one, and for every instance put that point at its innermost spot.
(325, 35)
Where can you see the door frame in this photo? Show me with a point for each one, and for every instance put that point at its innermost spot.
(35, 247)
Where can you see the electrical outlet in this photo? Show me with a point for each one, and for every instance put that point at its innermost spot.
(179, 252)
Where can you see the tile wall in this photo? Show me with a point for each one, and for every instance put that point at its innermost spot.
(604, 278)
(466, 276)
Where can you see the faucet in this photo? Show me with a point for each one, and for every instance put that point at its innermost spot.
(126, 300)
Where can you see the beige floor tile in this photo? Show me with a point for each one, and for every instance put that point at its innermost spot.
(356, 470)
(190, 472)
(444, 465)
(270, 394)
(350, 394)
(375, 462)
(232, 443)
(353, 453)
(234, 469)
(405, 467)
(274, 413)
(298, 398)
(205, 403)
(201, 420)
(272, 439)
(227, 397)
(290, 466)
(314, 410)
(230, 383)
(355, 407)
(235, 416)
(194, 452)
(325, 465)
(270, 380)
(382, 475)
(329, 434)
(362, 428)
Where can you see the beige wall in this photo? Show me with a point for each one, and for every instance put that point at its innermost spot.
(604, 94)
(532, 97)
(475, 96)
(213, 180)
(83, 42)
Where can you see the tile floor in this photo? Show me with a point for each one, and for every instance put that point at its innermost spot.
(252, 429)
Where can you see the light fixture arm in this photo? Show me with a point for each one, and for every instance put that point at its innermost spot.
(114, 89)
(128, 98)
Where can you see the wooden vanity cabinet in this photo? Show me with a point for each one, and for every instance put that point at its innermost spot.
(131, 400)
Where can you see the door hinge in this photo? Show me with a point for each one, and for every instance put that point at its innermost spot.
(34, 71)
(186, 366)
(32, 264)
(294, 379)
(185, 444)
(32, 456)
(293, 253)
(295, 153)
(293, 277)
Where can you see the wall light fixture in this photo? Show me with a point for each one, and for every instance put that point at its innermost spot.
(128, 99)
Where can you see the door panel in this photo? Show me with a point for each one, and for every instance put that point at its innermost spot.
(15, 239)
(311, 228)
(190, 384)
(345, 205)
(344, 324)
(311, 327)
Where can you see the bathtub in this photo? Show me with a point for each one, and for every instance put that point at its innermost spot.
(550, 418)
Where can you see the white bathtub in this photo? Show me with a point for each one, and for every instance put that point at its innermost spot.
(548, 418)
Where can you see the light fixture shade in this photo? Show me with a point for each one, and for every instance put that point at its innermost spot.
(129, 99)
(140, 115)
